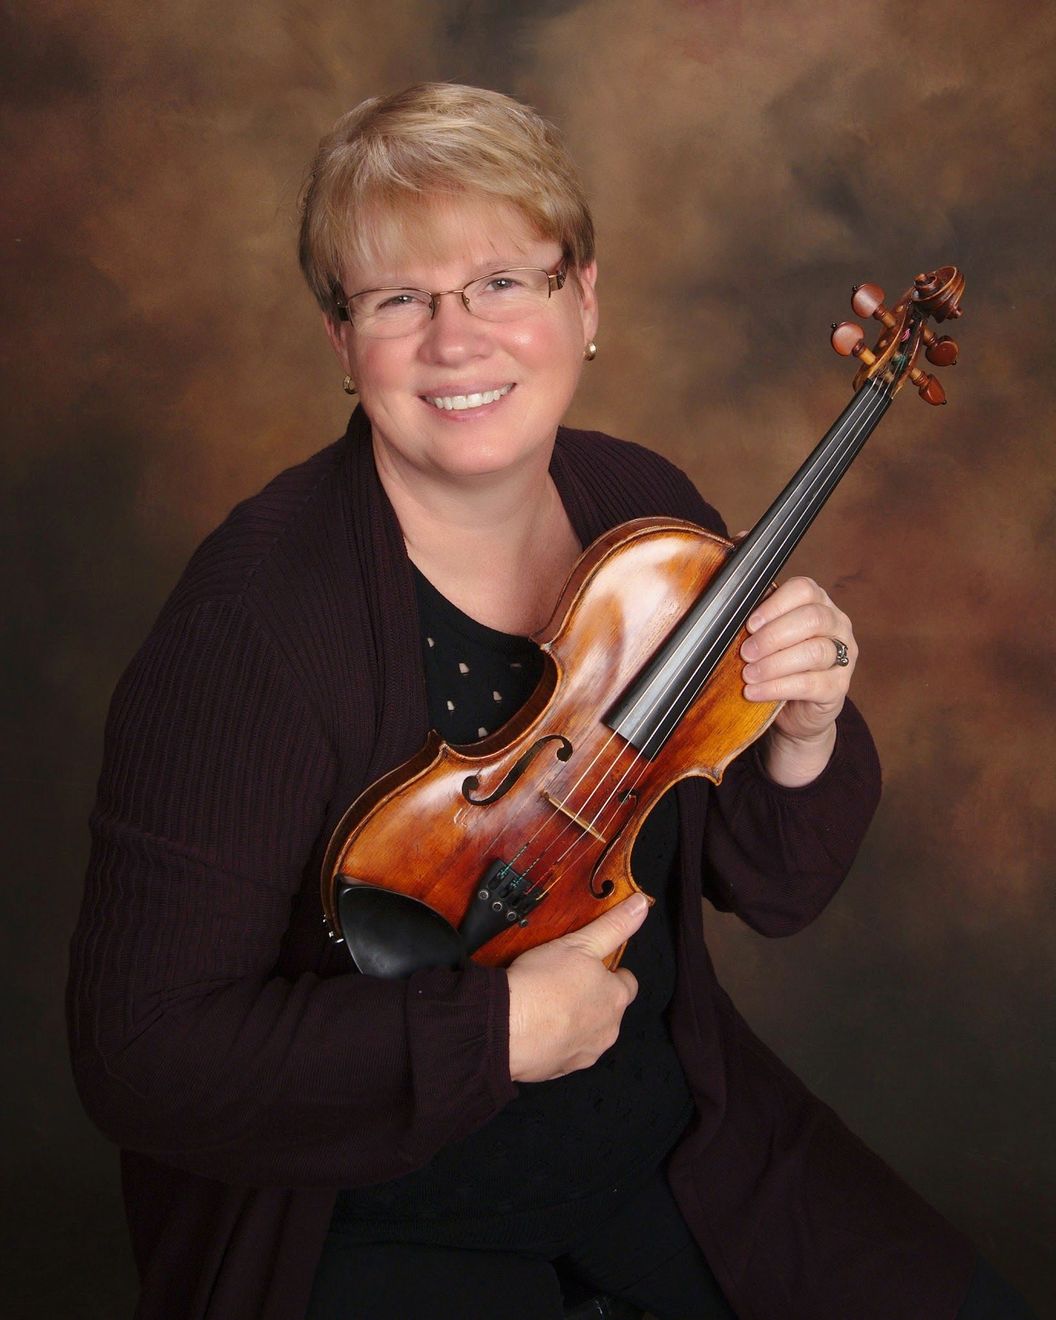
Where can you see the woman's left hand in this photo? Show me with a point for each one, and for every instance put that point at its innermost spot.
(793, 656)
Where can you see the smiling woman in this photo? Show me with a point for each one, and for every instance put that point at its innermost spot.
(473, 380)
(304, 1138)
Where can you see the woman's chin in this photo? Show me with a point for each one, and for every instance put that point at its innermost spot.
(470, 451)
(481, 461)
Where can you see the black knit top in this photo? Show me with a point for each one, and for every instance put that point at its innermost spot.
(573, 1145)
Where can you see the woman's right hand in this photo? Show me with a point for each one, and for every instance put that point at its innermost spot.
(565, 1004)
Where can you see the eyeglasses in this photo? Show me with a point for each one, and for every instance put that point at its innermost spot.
(504, 295)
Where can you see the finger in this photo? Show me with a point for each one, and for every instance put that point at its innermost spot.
(822, 689)
(803, 623)
(630, 983)
(788, 596)
(606, 933)
(817, 655)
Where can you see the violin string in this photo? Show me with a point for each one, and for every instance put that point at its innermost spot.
(868, 402)
(871, 405)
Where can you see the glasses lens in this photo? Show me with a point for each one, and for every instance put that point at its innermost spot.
(508, 294)
(387, 313)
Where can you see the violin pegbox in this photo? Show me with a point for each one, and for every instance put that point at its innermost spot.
(935, 295)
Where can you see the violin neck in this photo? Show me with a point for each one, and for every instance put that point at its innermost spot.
(652, 706)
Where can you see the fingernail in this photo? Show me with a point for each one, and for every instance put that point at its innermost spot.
(636, 903)
(754, 621)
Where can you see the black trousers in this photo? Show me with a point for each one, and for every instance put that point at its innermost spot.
(642, 1253)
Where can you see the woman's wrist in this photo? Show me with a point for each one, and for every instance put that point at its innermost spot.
(793, 761)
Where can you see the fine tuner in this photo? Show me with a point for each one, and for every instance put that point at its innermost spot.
(937, 294)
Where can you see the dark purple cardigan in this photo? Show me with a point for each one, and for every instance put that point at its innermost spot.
(215, 1036)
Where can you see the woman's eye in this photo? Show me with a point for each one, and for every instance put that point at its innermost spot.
(396, 301)
(503, 283)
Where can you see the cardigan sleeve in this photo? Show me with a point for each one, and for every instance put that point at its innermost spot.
(186, 1044)
(777, 855)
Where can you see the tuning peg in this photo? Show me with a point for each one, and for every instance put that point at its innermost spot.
(927, 386)
(941, 351)
(848, 340)
(868, 300)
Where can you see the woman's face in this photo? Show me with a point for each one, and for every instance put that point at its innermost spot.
(533, 363)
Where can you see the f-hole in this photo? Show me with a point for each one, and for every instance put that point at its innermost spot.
(471, 783)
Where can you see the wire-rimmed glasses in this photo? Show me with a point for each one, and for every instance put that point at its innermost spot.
(504, 295)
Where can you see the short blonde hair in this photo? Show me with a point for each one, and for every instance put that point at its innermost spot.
(388, 156)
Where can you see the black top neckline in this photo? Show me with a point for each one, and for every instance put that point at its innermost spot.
(436, 605)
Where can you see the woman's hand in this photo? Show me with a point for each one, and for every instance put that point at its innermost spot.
(793, 656)
(565, 1004)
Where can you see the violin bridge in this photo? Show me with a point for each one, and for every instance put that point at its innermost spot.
(574, 816)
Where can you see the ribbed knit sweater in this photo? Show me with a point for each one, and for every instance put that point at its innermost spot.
(224, 1044)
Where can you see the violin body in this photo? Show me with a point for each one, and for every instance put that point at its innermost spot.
(555, 794)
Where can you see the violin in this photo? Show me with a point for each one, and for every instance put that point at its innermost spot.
(488, 850)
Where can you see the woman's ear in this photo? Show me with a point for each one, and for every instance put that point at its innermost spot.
(586, 279)
(336, 332)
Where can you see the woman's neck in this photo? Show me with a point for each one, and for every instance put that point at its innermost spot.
(498, 547)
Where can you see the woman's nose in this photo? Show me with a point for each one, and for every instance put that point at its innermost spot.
(454, 331)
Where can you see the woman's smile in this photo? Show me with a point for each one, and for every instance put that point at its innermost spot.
(472, 400)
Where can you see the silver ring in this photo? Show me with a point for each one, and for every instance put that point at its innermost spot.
(842, 658)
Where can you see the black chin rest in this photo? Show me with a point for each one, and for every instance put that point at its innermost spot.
(392, 935)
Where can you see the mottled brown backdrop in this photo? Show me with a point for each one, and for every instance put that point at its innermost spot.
(748, 162)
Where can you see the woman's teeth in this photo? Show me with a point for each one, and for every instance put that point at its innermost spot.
(459, 402)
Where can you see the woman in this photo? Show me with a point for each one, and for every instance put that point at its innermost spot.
(302, 1140)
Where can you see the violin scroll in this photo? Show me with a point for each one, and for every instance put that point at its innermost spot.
(939, 293)
(935, 295)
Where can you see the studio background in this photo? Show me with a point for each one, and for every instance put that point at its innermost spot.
(747, 163)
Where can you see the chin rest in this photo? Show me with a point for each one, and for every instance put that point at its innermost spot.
(393, 935)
